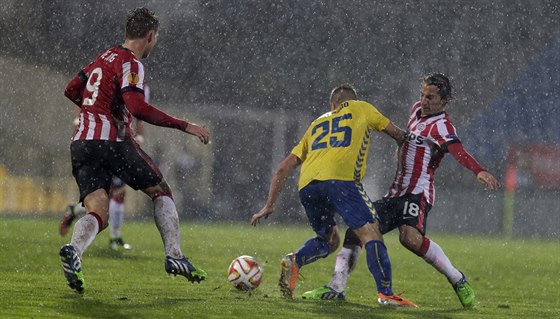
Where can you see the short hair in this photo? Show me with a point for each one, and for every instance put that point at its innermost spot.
(139, 22)
(442, 83)
(343, 93)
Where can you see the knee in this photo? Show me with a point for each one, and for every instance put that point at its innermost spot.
(161, 189)
(98, 202)
(411, 240)
(334, 243)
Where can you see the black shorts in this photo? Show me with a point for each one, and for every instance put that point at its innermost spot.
(409, 210)
(95, 162)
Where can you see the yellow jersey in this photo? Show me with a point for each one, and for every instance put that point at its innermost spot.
(336, 145)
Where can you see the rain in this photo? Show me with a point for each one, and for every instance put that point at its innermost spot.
(258, 72)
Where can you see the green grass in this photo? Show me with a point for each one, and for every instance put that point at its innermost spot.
(512, 278)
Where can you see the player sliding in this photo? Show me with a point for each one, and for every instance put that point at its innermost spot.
(110, 91)
(333, 153)
(430, 135)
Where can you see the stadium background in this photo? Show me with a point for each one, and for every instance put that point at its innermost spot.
(257, 72)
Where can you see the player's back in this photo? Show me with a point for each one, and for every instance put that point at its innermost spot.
(103, 114)
(336, 144)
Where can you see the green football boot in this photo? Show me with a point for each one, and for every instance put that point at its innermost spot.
(72, 266)
(183, 267)
(465, 292)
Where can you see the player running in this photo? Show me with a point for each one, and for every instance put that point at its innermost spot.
(110, 91)
(430, 134)
(333, 154)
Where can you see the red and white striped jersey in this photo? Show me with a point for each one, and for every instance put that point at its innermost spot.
(420, 155)
(104, 115)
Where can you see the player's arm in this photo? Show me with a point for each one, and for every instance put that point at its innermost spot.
(395, 132)
(75, 88)
(467, 160)
(140, 109)
(279, 178)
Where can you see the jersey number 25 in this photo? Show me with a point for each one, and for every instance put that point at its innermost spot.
(331, 131)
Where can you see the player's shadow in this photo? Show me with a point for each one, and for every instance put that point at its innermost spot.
(348, 309)
(82, 306)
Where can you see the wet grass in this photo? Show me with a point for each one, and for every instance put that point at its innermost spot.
(512, 278)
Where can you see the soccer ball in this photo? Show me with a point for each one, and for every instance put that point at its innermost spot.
(245, 273)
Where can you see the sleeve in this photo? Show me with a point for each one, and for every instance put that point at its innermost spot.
(300, 150)
(75, 88)
(464, 158)
(376, 120)
(132, 89)
(132, 78)
(443, 132)
(143, 111)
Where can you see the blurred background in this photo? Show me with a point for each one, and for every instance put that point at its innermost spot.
(257, 72)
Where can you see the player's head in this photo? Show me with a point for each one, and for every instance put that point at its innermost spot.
(142, 23)
(435, 92)
(342, 93)
(442, 83)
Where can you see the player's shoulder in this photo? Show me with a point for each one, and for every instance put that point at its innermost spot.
(322, 117)
(114, 56)
(359, 104)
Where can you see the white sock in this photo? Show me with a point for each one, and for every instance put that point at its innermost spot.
(346, 261)
(437, 258)
(167, 222)
(116, 217)
(84, 233)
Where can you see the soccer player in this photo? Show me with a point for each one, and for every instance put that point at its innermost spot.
(110, 91)
(429, 136)
(333, 154)
(117, 193)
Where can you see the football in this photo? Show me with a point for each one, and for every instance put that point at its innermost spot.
(245, 273)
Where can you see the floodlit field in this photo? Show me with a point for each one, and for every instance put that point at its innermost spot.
(512, 278)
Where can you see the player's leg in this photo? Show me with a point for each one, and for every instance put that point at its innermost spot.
(167, 222)
(140, 172)
(116, 218)
(312, 250)
(93, 183)
(431, 252)
(320, 214)
(347, 258)
(91, 224)
(85, 231)
(379, 265)
(346, 261)
(358, 213)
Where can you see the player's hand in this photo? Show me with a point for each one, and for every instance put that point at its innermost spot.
(488, 180)
(199, 131)
(264, 212)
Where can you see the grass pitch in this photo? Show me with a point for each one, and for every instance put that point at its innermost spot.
(512, 278)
